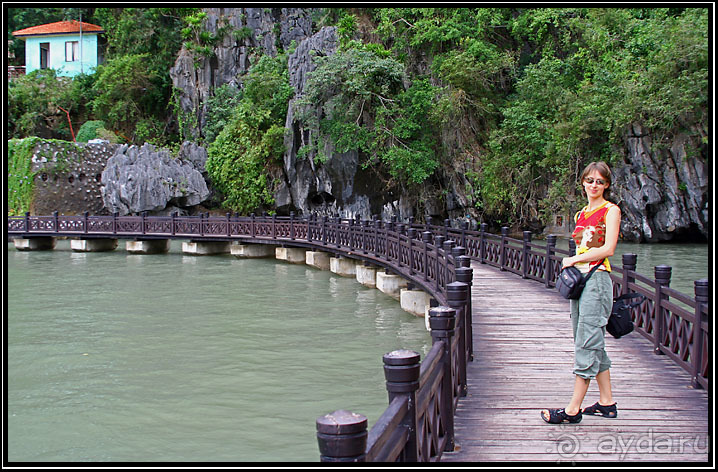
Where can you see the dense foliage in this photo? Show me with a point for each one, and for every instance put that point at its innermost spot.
(253, 138)
(517, 99)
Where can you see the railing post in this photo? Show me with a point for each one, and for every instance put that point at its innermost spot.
(56, 221)
(702, 290)
(446, 228)
(27, 221)
(465, 274)
(309, 218)
(377, 223)
(464, 227)
(571, 247)
(456, 297)
(342, 437)
(201, 224)
(629, 262)
(525, 254)
(442, 321)
(85, 216)
(350, 234)
(426, 239)
(411, 235)
(504, 235)
(252, 229)
(291, 225)
(548, 267)
(401, 371)
(663, 279)
(482, 245)
(274, 226)
(229, 220)
(324, 230)
(364, 239)
(174, 222)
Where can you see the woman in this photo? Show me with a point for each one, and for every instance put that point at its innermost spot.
(596, 236)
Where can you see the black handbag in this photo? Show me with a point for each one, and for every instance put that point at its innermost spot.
(620, 323)
(571, 281)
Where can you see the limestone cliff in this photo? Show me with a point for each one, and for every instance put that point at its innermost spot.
(662, 187)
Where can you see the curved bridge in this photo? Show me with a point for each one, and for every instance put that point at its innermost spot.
(419, 424)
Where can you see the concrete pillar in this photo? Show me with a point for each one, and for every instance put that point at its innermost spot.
(34, 244)
(366, 275)
(291, 254)
(390, 284)
(148, 246)
(252, 250)
(93, 245)
(318, 259)
(343, 266)
(415, 302)
(205, 248)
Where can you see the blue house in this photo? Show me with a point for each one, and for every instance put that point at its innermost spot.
(69, 47)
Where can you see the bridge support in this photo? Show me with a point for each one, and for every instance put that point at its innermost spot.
(205, 248)
(291, 254)
(148, 246)
(390, 284)
(318, 259)
(366, 275)
(415, 302)
(343, 266)
(34, 244)
(252, 251)
(93, 245)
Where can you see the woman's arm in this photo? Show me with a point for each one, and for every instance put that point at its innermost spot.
(613, 226)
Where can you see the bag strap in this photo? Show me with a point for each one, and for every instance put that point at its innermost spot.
(628, 296)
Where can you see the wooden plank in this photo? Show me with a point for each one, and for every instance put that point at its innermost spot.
(523, 362)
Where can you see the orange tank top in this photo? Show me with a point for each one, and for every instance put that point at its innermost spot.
(590, 232)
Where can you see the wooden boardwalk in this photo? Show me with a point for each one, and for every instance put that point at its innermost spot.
(523, 360)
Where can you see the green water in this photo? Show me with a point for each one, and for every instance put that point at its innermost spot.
(118, 357)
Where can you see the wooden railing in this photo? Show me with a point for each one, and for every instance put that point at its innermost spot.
(418, 425)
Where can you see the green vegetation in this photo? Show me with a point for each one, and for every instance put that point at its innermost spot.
(518, 100)
(253, 139)
(20, 177)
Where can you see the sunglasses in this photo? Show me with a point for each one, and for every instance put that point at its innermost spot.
(590, 180)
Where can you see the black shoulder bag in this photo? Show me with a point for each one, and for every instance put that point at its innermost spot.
(571, 281)
(620, 323)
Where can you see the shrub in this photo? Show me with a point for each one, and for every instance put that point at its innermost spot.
(88, 130)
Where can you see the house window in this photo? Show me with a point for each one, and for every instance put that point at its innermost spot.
(72, 51)
(44, 55)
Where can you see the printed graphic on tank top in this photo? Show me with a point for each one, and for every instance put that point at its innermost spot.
(590, 232)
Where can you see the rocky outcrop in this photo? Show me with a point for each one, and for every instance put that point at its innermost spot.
(245, 32)
(663, 191)
(138, 179)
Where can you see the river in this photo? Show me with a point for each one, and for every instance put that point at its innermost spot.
(119, 357)
(114, 357)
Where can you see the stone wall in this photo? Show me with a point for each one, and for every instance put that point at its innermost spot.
(68, 177)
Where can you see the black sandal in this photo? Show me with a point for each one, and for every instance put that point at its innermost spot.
(559, 415)
(609, 411)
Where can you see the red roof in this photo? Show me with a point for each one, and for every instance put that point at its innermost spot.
(59, 27)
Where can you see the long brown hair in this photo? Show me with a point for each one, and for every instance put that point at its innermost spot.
(605, 172)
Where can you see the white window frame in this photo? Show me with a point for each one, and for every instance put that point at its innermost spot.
(72, 51)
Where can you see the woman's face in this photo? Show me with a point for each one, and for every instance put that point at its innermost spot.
(594, 184)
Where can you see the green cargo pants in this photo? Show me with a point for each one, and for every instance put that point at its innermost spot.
(589, 315)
